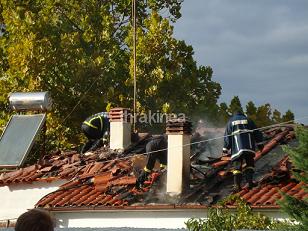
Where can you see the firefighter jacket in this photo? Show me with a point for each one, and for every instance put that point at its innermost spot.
(157, 149)
(241, 135)
(99, 122)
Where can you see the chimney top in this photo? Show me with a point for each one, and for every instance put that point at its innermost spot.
(119, 114)
(178, 127)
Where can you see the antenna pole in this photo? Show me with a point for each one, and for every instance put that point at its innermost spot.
(135, 63)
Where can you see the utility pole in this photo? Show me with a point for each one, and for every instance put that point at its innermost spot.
(135, 63)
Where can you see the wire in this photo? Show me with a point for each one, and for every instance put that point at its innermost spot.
(87, 90)
(221, 137)
(82, 97)
(211, 139)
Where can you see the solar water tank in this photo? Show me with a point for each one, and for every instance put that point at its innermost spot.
(30, 101)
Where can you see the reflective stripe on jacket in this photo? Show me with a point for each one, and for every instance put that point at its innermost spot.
(241, 136)
(99, 121)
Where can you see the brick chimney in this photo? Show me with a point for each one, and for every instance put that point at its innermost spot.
(178, 169)
(120, 128)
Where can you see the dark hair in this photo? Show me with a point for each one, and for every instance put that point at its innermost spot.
(34, 220)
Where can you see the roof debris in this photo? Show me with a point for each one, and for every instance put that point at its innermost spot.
(106, 179)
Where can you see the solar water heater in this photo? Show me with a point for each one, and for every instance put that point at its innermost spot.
(22, 130)
(18, 138)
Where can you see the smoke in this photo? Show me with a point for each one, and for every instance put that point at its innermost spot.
(208, 130)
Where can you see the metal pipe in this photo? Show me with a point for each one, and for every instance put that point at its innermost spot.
(135, 63)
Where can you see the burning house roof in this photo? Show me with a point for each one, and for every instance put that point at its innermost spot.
(107, 179)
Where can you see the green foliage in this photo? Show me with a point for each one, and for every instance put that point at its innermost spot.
(277, 116)
(235, 105)
(298, 209)
(224, 219)
(223, 113)
(263, 115)
(289, 116)
(81, 52)
(167, 74)
(299, 154)
(251, 111)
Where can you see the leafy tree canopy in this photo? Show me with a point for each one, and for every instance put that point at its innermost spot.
(222, 218)
(235, 105)
(251, 110)
(289, 116)
(298, 209)
(263, 115)
(81, 52)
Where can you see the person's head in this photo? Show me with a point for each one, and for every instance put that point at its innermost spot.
(34, 220)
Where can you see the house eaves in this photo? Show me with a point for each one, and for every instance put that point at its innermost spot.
(106, 181)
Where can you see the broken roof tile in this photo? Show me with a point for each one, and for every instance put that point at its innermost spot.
(96, 168)
(110, 182)
(125, 180)
(67, 172)
(109, 165)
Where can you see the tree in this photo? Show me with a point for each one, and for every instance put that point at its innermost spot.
(264, 115)
(251, 111)
(298, 209)
(80, 51)
(289, 116)
(167, 73)
(223, 113)
(64, 48)
(4, 115)
(276, 116)
(221, 217)
(235, 105)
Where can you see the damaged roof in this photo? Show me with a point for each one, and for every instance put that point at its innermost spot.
(107, 179)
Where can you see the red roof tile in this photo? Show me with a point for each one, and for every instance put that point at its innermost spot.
(50, 169)
(112, 182)
(90, 189)
(269, 194)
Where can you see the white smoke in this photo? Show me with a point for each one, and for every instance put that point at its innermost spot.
(208, 130)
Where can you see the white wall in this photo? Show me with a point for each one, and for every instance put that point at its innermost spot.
(169, 219)
(17, 198)
(127, 218)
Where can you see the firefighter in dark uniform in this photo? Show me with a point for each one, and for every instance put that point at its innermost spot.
(241, 137)
(157, 150)
(95, 127)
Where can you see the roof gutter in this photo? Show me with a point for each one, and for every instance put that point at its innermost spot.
(154, 207)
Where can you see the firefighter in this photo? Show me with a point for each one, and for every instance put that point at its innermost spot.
(241, 137)
(95, 127)
(157, 150)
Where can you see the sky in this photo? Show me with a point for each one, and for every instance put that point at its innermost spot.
(258, 49)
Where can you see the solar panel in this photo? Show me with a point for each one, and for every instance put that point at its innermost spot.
(18, 138)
